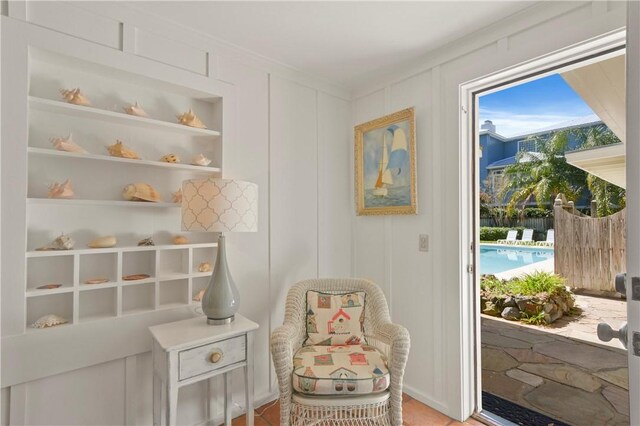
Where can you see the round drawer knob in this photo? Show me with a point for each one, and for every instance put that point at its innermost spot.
(215, 357)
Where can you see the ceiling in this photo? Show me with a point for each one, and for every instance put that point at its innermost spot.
(338, 41)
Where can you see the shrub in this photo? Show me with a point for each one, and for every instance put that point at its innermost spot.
(536, 283)
(490, 233)
(535, 212)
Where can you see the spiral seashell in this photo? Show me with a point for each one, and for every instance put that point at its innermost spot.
(141, 192)
(136, 110)
(190, 119)
(75, 96)
(61, 190)
(119, 150)
(67, 144)
(63, 242)
(177, 196)
(200, 160)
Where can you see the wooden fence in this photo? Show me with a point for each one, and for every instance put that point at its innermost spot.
(589, 252)
(541, 224)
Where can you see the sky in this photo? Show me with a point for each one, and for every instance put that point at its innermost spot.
(531, 106)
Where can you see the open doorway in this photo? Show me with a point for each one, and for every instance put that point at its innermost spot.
(543, 288)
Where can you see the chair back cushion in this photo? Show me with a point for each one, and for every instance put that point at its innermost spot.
(340, 370)
(335, 318)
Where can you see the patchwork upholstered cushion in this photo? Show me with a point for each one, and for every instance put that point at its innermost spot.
(340, 370)
(335, 319)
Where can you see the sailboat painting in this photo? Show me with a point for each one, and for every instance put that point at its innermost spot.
(385, 165)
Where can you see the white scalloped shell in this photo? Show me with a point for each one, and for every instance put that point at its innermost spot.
(49, 321)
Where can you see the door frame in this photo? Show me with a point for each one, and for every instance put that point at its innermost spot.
(589, 51)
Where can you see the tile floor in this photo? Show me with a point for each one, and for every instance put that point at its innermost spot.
(415, 413)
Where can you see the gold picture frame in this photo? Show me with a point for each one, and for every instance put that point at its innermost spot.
(385, 165)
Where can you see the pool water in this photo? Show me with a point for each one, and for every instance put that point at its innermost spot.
(494, 259)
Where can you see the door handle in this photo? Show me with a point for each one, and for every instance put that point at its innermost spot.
(621, 283)
(606, 333)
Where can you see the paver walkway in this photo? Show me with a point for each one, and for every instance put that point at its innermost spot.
(552, 371)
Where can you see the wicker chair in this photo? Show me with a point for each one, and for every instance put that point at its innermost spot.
(391, 339)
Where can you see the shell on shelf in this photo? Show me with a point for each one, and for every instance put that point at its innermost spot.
(104, 242)
(99, 280)
(146, 242)
(119, 150)
(205, 267)
(170, 158)
(61, 190)
(180, 239)
(200, 160)
(67, 144)
(63, 242)
(141, 192)
(50, 320)
(134, 277)
(177, 196)
(198, 297)
(48, 286)
(75, 96)
(190, 119)
(136, 110)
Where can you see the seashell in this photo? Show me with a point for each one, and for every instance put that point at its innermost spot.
(141, 192)
(180, 239)
(119, 150)
(48, 286)
(177, 196)
(67, 144)
(190, 119)
(103, 242)
(75, 96)
(49, 321)
(63, 242)
(61, 190)
(136, 110)
(170, 158)
(198, 297)
(146, 242)
(134, 277)
(204, 267)
(200, 160)
(96, 280)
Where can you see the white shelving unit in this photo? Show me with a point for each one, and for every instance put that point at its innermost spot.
(173, 276)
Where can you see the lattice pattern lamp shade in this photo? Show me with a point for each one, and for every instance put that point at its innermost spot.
(219, 205)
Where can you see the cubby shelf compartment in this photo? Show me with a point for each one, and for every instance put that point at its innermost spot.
(99, 304)
(98, 265)
(138, 298)
(171, 262)
(50, 270)
(60, 304)
(79, 111)
(174, 292)
(147, 163)
(117, 203)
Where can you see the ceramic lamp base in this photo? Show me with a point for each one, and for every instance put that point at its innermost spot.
(223, 321)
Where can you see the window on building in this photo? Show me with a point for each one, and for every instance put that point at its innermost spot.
(529, 145)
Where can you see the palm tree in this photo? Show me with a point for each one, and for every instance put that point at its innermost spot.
(609, 198)
(544, 174)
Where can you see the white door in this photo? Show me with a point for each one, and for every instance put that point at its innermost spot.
(633, 207)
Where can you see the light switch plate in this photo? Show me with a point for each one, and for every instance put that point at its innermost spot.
(423, 242)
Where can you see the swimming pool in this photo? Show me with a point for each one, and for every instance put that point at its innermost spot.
(495, 258)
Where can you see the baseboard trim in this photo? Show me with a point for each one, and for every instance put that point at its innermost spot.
(238, 410)
(426, 399)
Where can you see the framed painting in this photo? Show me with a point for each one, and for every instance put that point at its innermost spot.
(385, 165)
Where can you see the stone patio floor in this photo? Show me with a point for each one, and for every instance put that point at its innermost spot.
(561, 370)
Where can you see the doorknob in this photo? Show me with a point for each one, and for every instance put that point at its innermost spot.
(621, 283)
(606, 333)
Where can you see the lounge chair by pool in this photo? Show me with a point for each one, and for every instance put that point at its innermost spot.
(549, 241)
(527, 237)
(511, 237)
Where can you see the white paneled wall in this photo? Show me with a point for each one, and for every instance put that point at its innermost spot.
(425, 288)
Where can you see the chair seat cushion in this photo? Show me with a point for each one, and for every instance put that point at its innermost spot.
(340, 370)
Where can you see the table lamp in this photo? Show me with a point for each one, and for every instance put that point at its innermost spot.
(220, 205)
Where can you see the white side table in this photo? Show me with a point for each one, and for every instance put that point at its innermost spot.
(189, 351)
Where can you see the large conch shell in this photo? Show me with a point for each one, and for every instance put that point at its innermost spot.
(61, 190)
(63, 242)
(190, 119)
(141, 192)
(119, 150)
(49, 321)
(200, 160)
(177, 196)
(104, 242)
(136, 110)
(75, 96)
(67, 144)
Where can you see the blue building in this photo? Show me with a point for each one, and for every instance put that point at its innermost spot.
(500, 151)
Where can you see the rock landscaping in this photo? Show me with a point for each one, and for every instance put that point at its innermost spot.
(539, 298)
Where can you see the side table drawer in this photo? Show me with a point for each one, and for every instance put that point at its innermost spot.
(210, 357)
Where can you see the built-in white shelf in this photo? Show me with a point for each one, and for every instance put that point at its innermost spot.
(148, 163)
(114, 203)
(80, 111)
(46, 253)
(47, 292)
